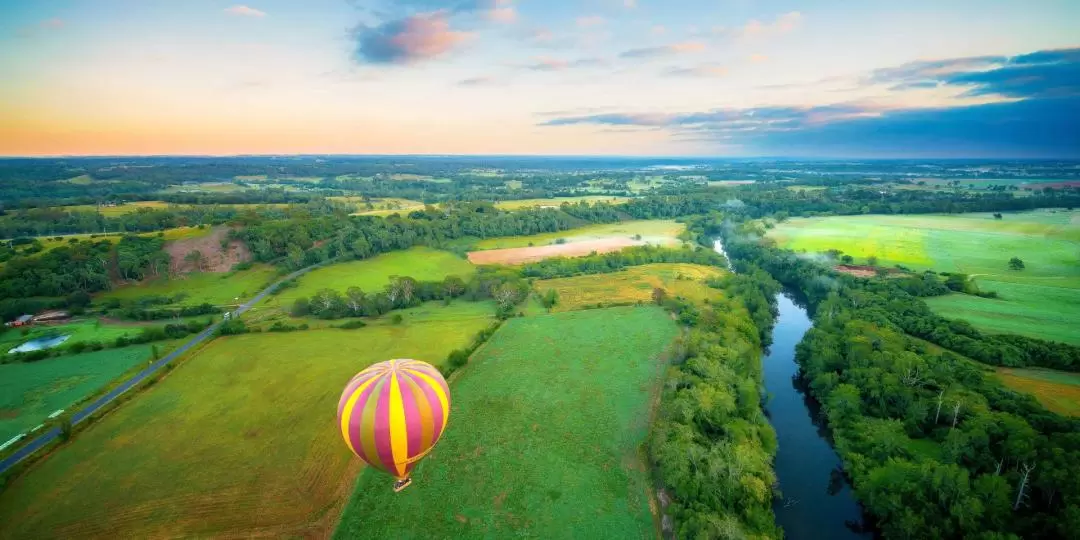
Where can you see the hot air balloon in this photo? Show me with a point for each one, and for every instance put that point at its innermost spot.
(392, 414)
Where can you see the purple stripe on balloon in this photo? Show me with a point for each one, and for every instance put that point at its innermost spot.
(430, 371)
(356, 420)
(413, 422)
(350, 388)
(382, 427)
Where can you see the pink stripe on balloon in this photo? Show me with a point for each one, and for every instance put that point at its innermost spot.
(356, 435)
(413, 422)
(355, 383)
(382, 427)
(437, 412)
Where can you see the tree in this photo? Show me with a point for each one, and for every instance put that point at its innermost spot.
(155, 352)
(847, 259)
(997, 215)
(659, 295)
(196, 259)
(65, 428)
(550, 298)
(300, 307)
(872, 260)
(453, 286)
(1016, 264)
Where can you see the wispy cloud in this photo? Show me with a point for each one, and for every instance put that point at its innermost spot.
(704, 70)
(477, 81)
(758, 58)
(413, 39)
(52, 24)
(244, 11)
(557, 64)
(501, 11)
(629, 4)
(589, 21)
(781, 25)
(665, 50)
(658, 30)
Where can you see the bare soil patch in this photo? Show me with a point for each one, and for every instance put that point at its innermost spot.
(864, 271)
(536, 253)
(216, 258)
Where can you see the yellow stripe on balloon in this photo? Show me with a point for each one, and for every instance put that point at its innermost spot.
(346, 414)
(399, 443)
(438, 392)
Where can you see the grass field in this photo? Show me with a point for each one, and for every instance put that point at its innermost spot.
(1056, 390)
(113, 211)
(215, 288)
(634, 284)
(556, 201)
(383, 207)
(544, 440)
(1038, 301)
(419, 263)
(30, 392)
(82, 330)
(653, 231)
(239, 441)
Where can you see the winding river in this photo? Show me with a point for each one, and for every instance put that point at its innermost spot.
(817, 500)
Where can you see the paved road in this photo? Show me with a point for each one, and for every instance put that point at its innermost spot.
(92, 407)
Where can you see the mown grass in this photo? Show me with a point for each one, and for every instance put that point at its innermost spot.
(544, 438)
(1037, 301)
(556, 201)
(663, 232)
(240, 440)
(634, 284)
(113, 211)
(420, 263)
(30, 392)
(1056, 390)
(215, 288)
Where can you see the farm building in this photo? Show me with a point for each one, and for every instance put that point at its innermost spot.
(23, 320)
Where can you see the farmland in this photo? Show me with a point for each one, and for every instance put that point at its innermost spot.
(1056, 390)
(80, 330)
(556, 201)
(119, 210)
(240, 440)
(419, 263)
(634, 284)
(1035, 301)
(29, 392)
(663, 232)
(545, 438)
(215, 288)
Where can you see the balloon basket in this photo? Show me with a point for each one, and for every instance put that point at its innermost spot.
(402, 484)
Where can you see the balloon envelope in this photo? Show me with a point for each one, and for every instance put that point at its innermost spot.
(392, 414)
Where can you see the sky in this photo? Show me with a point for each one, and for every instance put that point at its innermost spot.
(716, 78)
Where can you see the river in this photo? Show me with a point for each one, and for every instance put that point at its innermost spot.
(817, 500)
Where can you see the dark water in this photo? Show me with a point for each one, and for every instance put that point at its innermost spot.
(817, 500)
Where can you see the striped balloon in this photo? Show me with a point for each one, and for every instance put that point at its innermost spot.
(392, 414)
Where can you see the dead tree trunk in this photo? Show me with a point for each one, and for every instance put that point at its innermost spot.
(1020, 493)
(955, 414)
(938, 413)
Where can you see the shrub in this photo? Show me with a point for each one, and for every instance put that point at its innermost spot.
(352, 325)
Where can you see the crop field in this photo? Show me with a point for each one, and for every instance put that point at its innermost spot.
(238, 441)
(215, 288)
(80, 330)
(419, 263)
(384, 207)
(545, 437)
(30, 392)
(664, 232)
(1037, 301)
(634, 284)
(556, 201)
(206, 187)
(1056, 390)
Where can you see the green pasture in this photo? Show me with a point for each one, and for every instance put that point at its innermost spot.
(419, 263)
(79, 330)
(1038, 301)
(239, 440)
(200, 287)
(30, 392)
(1028, 309)
(655, 231)
(545, 437)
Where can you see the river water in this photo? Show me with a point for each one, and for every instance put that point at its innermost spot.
(817, 500)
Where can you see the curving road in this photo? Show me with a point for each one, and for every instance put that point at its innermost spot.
(52, 434)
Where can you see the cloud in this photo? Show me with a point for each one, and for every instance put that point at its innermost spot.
(629, 4)
(666, 50)
(758, 58)
(558, 64)
(658, 30)
(704, 70)
(245, 11)
(413, 39)
(500, 11)
(589, 21)
(1033, 111)
(477, 81)
(781, 25)
(52, 24)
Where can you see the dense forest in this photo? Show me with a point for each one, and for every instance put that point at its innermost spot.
(936, 447)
